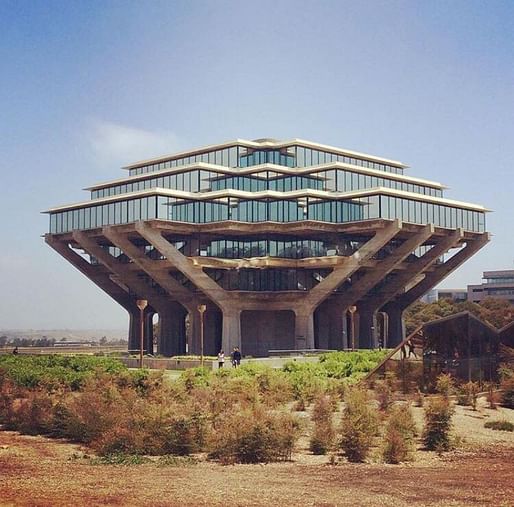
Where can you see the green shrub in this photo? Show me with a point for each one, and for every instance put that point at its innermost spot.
(347, 364)
(195, 377)
(120, 459)
(310, 379)
(438, 424)
(323, 435)
(400, 434)
(502, 425)
(54, 371)
(359, 425)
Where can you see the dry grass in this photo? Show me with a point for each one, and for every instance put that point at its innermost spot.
(44, 472)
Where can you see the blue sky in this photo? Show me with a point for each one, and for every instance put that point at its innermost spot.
(87, 87)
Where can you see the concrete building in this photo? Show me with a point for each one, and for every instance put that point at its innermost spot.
(497, 284)
(289, 245)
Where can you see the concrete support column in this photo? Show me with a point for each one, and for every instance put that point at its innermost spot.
(304, 328)
(367, 328)
(345, 331)
(172, 330)
(134, 341)
(148, 344)
(396, 328)
(193, 331)
(231, 330)
(134, 331)
(329, 326)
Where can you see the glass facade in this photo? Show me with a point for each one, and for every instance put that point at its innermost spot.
(289, 249)
(140, 197)
(261, 210)
(198, 180)
(240, 156)
(268, 279)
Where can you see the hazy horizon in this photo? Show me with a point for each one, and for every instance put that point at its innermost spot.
(88, 87)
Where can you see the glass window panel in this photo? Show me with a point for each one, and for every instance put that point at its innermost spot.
(87, 218)
(117, 212)
(405, 209)
(144, 208)
(130, 210)
(137, 209)
(53, 222)
(481, 222)
(123, 212)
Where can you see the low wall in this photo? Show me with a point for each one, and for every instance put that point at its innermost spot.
(167, 364)
(184, 364)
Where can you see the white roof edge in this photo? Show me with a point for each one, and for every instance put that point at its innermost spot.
(270, 193)
(267, 144)
(272, 167)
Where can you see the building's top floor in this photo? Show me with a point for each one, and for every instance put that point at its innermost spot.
(500, 276)
(243, 153)
(268, 180)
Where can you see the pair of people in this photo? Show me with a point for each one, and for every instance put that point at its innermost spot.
(235, 358)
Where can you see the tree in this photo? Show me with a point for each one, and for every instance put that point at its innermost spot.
(497, 312)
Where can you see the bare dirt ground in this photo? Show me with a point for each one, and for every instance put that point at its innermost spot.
(36, 471)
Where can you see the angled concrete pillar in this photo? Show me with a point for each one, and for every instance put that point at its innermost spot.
(352, 263)
(231, 326)
(374, 275)
(304, 329)
(440, 272)
(395, 326)
(155, 269)
(101, 278)
(186, 266)
(395, 307)
(97, 274)
(128, 277)
(396, 286)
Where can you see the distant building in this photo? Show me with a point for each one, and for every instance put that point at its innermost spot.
(497, 284)
(457, 295)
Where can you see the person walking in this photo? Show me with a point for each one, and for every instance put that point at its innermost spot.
(410, 345)
(221, 359)
(236, 357)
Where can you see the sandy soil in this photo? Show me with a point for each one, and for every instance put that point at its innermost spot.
(37, 471)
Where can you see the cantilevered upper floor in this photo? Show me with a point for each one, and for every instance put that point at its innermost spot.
(267, 180)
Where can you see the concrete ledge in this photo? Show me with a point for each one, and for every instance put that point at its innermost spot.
(167, 364)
